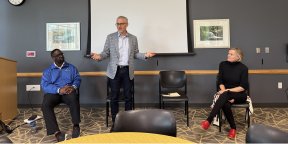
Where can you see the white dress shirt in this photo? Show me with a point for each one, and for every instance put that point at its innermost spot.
(123, 44)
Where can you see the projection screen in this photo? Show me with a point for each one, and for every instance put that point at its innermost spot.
(160, 25)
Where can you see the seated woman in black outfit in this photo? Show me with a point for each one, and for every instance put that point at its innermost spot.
(233, 82)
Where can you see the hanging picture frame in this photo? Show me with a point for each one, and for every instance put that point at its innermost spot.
(214, 33)
(64, 36)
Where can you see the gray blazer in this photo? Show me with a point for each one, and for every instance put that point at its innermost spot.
(111, 50)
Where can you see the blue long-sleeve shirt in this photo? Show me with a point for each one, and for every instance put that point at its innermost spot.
(54, 78)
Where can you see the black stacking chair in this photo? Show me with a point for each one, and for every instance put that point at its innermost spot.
(121, 98)
(265, 134)
(156, 121)
(243, 106)
(173, 81)
(4, 128)
(5, 140)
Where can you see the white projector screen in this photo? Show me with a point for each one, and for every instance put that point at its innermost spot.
(160, 25)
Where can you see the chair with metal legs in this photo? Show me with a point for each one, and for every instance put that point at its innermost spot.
(170, 82)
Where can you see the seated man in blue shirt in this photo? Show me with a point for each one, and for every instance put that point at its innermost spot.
(60, 83)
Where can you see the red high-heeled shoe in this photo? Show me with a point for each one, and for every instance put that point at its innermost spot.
(232, 133)
(205, 124)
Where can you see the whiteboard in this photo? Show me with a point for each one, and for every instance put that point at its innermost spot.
(159, 25)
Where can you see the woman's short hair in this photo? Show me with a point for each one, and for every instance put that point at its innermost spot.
(238, 52)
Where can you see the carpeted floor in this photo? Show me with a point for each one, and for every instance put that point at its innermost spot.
(93, 122)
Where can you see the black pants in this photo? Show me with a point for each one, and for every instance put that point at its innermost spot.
(225, 105)
(121, 79)
(52, 100)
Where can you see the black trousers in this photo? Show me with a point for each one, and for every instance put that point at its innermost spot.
(52, 100)
(121, 79)
(225, 105)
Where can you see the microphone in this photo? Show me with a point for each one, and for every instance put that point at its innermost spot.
(88, 55)
(32, 122)
(33, 117)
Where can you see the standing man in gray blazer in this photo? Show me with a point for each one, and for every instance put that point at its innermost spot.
(122, 48)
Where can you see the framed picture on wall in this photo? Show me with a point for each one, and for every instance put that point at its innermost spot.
(214, 33)
(64, 36)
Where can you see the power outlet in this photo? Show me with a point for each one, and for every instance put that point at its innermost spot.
(280, 85)
(267, 50)
(258, 50)
(32, 87)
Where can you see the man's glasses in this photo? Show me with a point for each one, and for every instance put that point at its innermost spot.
(120, 24)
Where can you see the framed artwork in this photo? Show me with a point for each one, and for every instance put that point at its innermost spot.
(64, 36)
(214, 33)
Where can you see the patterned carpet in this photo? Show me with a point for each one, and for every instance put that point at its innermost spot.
(93, 122)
